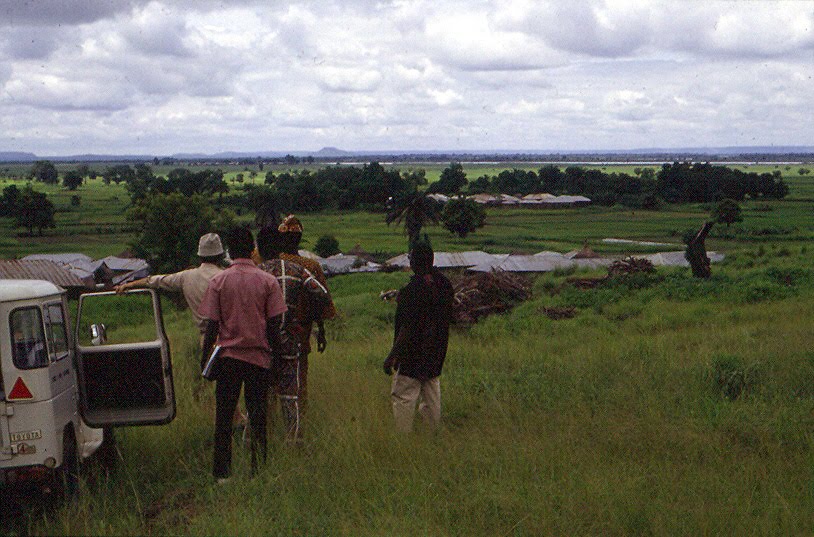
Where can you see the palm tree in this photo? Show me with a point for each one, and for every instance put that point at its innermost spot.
(415, 210)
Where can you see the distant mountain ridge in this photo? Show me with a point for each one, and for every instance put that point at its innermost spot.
(333, 152)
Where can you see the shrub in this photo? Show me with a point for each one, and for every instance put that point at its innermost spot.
(326, 246)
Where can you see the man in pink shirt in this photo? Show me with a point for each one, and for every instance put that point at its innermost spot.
(243, 307)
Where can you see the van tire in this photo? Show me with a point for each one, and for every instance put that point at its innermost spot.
(68, 472)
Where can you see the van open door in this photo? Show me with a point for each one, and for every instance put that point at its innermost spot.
(123, 360)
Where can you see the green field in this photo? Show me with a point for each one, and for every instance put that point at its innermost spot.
(666, 406)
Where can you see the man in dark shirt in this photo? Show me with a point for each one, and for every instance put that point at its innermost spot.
(423, 316)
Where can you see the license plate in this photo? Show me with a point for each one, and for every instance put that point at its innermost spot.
(26, 435)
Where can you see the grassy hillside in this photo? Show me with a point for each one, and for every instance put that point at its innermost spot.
(666, 406)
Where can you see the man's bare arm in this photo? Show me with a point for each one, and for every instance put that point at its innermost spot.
(135, 284)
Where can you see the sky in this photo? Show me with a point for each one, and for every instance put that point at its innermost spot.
(162, 77)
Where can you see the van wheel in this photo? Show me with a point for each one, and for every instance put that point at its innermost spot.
(68, 473)
(108, 454)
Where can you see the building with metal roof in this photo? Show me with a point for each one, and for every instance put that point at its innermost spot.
(40, 269)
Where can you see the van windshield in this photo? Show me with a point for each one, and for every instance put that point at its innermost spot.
(29, 349)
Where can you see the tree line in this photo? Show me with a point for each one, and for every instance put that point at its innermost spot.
(679, 182)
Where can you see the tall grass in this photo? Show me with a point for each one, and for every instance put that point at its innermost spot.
(604, 424)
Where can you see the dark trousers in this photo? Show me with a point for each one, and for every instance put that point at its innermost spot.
(232, 375)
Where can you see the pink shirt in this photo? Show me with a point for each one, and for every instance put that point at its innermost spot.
(241, 298)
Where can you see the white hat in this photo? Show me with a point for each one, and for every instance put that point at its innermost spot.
(209, 245)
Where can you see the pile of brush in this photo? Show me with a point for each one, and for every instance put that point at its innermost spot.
(630, 265)
(485, 293)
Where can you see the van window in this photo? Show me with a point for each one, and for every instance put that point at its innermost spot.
(29, 350)
(57, 333)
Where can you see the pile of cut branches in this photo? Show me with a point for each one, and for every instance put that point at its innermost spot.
(485, 293)
(630, 265)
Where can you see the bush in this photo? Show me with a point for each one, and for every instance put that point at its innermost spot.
(326, 246)
(462, 216)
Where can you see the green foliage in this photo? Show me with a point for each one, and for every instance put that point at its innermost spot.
(727, 212)
(463, 216)
(32, 209)
(326, 246)
(44, 171)
(683, 182)
(72, 180)
(415, 210)
(452, 180)
(170, 245)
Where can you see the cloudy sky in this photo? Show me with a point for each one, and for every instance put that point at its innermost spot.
(159, 77)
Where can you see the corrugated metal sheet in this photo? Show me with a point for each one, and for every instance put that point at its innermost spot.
(528, 263)
(454, 259)
(39, 269)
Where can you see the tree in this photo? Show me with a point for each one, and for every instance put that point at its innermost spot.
(34, 210)
(170, 246)
(263, 201)
(804, 171)
(415, 210)
(463, 216)
(727, 212)
(45, 172)
(452, 180)
(9, 200)
(72, 180)
(83, 170)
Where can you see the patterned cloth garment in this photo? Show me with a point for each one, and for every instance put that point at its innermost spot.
(304, 295)
(313, 266)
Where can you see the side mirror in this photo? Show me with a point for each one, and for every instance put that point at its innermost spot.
(98, 334)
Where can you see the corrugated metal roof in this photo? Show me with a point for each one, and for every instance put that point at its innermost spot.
(124, 263)
(65, 259)
(39, 269)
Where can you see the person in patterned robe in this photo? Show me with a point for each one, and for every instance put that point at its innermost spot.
(306, 298)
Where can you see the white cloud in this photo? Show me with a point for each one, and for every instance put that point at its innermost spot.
(161, 77)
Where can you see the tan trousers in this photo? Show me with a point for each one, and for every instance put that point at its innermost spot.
(406, 392)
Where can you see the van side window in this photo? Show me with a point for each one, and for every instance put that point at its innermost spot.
(57, 334)
(29, 350)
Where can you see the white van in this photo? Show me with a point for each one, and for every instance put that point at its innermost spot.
(62, 392)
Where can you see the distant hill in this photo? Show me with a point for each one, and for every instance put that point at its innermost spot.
(15, 156)
(755, 153)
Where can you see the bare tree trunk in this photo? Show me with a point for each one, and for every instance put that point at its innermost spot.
(696, 253)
